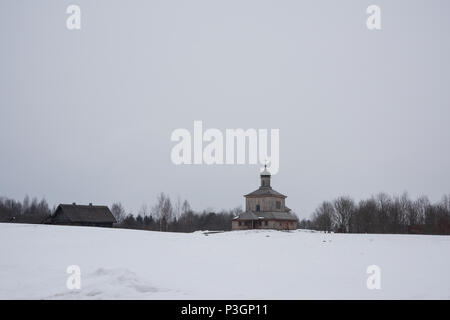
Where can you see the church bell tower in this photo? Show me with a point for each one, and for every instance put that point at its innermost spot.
(265, 178)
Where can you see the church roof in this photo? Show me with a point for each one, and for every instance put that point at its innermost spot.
(248, 215)
(270, 215)
(265, 191)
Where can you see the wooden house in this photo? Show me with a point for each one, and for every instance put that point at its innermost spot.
(82, 215)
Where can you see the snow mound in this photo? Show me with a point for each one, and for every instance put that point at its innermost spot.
(110, 284)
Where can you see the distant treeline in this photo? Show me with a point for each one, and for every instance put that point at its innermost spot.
(379, 214)
(382, 214)
(28, 211)
(171, 216)
(166, 215)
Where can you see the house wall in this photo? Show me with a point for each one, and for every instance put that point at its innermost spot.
(241, 225)
(60, 218)
(84, 224)
(271, 224)
(277, 225)
(266, 204)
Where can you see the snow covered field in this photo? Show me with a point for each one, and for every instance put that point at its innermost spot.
(129, 264)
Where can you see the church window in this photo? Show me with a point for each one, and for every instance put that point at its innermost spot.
(278, 204)
(258, 208)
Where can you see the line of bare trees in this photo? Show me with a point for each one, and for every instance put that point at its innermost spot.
(165, 215)
(177, 216)
(378, 214)
(27, 211)
(382, 214)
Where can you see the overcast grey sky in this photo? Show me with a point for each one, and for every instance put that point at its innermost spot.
(86, 115)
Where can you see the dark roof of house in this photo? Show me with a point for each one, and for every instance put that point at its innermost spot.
(265, 191)
(87, 213)
(270, 215)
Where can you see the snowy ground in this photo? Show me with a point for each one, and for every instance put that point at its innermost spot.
(128, 264)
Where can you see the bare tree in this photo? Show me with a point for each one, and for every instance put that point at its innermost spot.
(26, 204)
(322, 218)
(344, 208)
(163, 211)
(236, 211)
(167, 213)
(158, 207)
(186, 207)
(383, 204)
(445, 202)
(178, 207)
(144, 211)
(118, 211)
(421, 204)
(364, 219)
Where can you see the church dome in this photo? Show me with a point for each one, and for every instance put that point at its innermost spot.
(265, 172)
